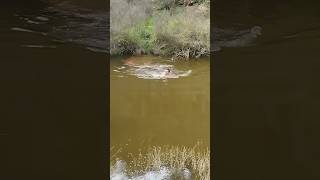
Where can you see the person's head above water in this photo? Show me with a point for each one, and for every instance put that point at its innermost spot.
(167, 71)
(256, 30)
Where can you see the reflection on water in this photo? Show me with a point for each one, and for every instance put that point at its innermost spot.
(55, 92)
(66, 23)
(147, 112)
(234, 37)
(266, 95)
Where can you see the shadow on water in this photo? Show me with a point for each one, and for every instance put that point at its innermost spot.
(56, 99)
(267, 95)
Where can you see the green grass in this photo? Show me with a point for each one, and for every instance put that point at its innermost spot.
(139, 37)
(143, 35)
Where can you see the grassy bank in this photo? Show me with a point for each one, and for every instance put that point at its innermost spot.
(171, 28)
(176, 158)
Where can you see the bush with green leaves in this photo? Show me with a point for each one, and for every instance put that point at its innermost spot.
(178, 32)
(185, 33)
(126, 17)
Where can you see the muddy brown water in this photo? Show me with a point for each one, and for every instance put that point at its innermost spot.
(157, 112)
(266, 97)
(54, 118)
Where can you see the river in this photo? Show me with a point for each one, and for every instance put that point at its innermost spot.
(266, 95)
(54, 80)
(265, 99)
(58, 52)
(158, 110)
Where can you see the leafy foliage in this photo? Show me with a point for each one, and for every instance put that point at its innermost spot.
(166, 27)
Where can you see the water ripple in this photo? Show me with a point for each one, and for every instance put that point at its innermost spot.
(69, 25)
(234, 38)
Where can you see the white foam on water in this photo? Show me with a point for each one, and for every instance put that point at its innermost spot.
(119, 173)
(84, 27)
(27, 30)
(31, 21)
(38, 46)
(157, 71)
(232, 38)
(41, 18)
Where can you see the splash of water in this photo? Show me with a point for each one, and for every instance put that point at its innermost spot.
(153, 71)
(234, 38)
(118, 172)
(68, 24)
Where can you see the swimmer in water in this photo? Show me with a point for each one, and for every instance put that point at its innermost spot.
(168, 71)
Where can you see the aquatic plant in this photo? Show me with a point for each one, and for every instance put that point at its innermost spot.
(176, 162)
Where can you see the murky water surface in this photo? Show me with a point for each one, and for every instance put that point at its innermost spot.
(266, 93)
(53, 67)
(62, 23)
(156, 102)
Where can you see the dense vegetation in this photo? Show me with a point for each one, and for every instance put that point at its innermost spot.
(174, 28)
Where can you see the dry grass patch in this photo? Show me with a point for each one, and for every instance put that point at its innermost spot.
(176, 158)
(160, 27)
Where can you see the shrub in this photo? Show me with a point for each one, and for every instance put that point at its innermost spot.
(124, 15)
(177, 31)
(185, 33)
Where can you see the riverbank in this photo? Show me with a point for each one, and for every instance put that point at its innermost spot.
(172, 28)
